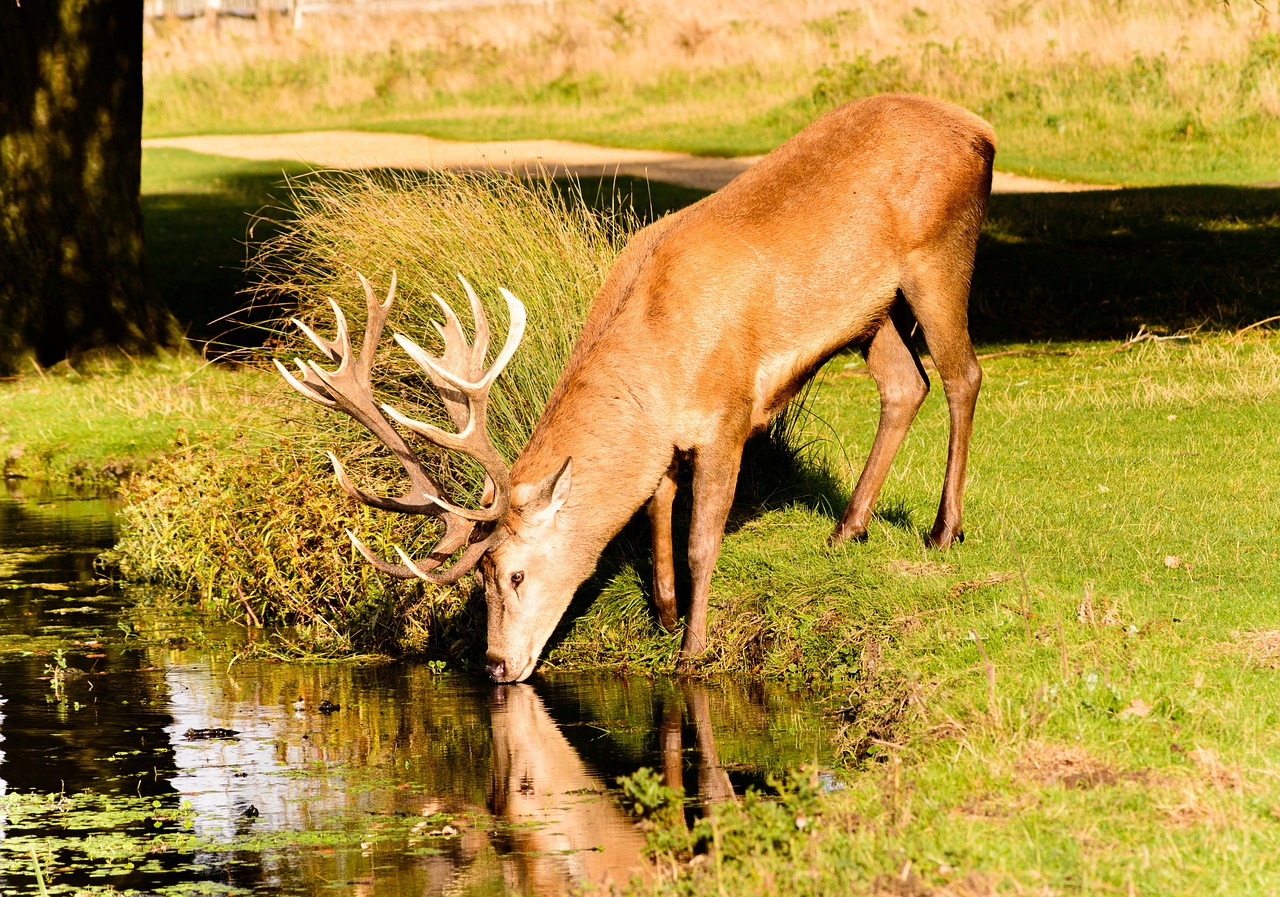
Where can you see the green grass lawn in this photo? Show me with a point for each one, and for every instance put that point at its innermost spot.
(1082, 697)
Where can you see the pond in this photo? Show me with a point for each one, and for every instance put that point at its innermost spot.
(136, 757)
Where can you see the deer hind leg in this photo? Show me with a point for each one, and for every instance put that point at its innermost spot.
(664, 566)
(903, 386)
(715, 474)
(939, 297)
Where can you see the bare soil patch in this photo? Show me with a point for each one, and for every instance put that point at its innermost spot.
(1069, 766)
(1260, 647)
(365, 149)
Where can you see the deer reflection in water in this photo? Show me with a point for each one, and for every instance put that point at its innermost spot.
(564, 831)
(469, 787)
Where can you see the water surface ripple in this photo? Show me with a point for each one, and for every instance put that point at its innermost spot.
(139, 756)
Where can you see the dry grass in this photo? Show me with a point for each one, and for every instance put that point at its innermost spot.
(616, 46)
(1260, 647)
(632, 38)
(1070, 766)
(1172, 375)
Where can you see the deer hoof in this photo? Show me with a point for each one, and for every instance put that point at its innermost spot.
(942, 538)
(852, 534)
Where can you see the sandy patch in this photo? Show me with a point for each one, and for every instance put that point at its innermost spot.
(364, 149)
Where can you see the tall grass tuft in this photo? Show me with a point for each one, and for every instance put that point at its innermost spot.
(263, 536)
(539, 241)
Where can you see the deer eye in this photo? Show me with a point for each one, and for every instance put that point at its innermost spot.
(516, 578)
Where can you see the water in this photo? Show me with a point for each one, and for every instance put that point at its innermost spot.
(132, 761)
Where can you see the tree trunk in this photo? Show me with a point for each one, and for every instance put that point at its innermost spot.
(73, 273)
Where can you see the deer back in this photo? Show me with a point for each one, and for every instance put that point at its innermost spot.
(727, 306)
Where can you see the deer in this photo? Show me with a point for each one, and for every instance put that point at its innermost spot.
(853, 232)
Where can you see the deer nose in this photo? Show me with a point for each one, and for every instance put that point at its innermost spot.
(497, 670)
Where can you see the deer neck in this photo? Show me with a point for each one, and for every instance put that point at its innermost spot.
(619, 450)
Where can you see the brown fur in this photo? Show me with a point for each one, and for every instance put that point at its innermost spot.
(713, 318)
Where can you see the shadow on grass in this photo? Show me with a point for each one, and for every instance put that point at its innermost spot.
(1065, 266)
(1093, 265)
(1099, 265)
(201, 216)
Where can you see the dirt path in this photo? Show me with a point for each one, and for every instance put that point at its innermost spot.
(364, 149)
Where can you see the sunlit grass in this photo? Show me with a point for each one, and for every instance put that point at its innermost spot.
(111, 416)
(1080, 697)
(1075, 90)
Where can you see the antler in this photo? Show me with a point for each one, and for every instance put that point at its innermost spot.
(463, 382)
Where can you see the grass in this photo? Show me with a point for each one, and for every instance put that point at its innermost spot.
(1087, 690)
(111, 417)
(1076, 91)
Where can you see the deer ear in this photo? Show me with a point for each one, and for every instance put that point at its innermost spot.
(549, 496)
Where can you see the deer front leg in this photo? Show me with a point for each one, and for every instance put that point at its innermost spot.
(715, 475)
(664, 566)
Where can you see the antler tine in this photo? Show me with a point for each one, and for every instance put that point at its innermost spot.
(377, 319)
(425, 571)
(481, 346)
(316, 392)
(415, 501)
(333, 349)
(463, 382)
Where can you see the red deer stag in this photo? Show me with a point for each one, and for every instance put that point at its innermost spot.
(710, 321)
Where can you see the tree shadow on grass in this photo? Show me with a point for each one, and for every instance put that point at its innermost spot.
(201, 216)
(1100, 265)
(1058, 266)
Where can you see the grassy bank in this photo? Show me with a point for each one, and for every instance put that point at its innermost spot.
(1075, 90)
(111, 417)
(1082, 698)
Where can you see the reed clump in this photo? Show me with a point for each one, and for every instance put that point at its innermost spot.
(258, 531)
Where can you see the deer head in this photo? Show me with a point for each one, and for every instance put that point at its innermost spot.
(513, 531)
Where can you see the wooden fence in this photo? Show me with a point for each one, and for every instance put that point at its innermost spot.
(299, 10)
